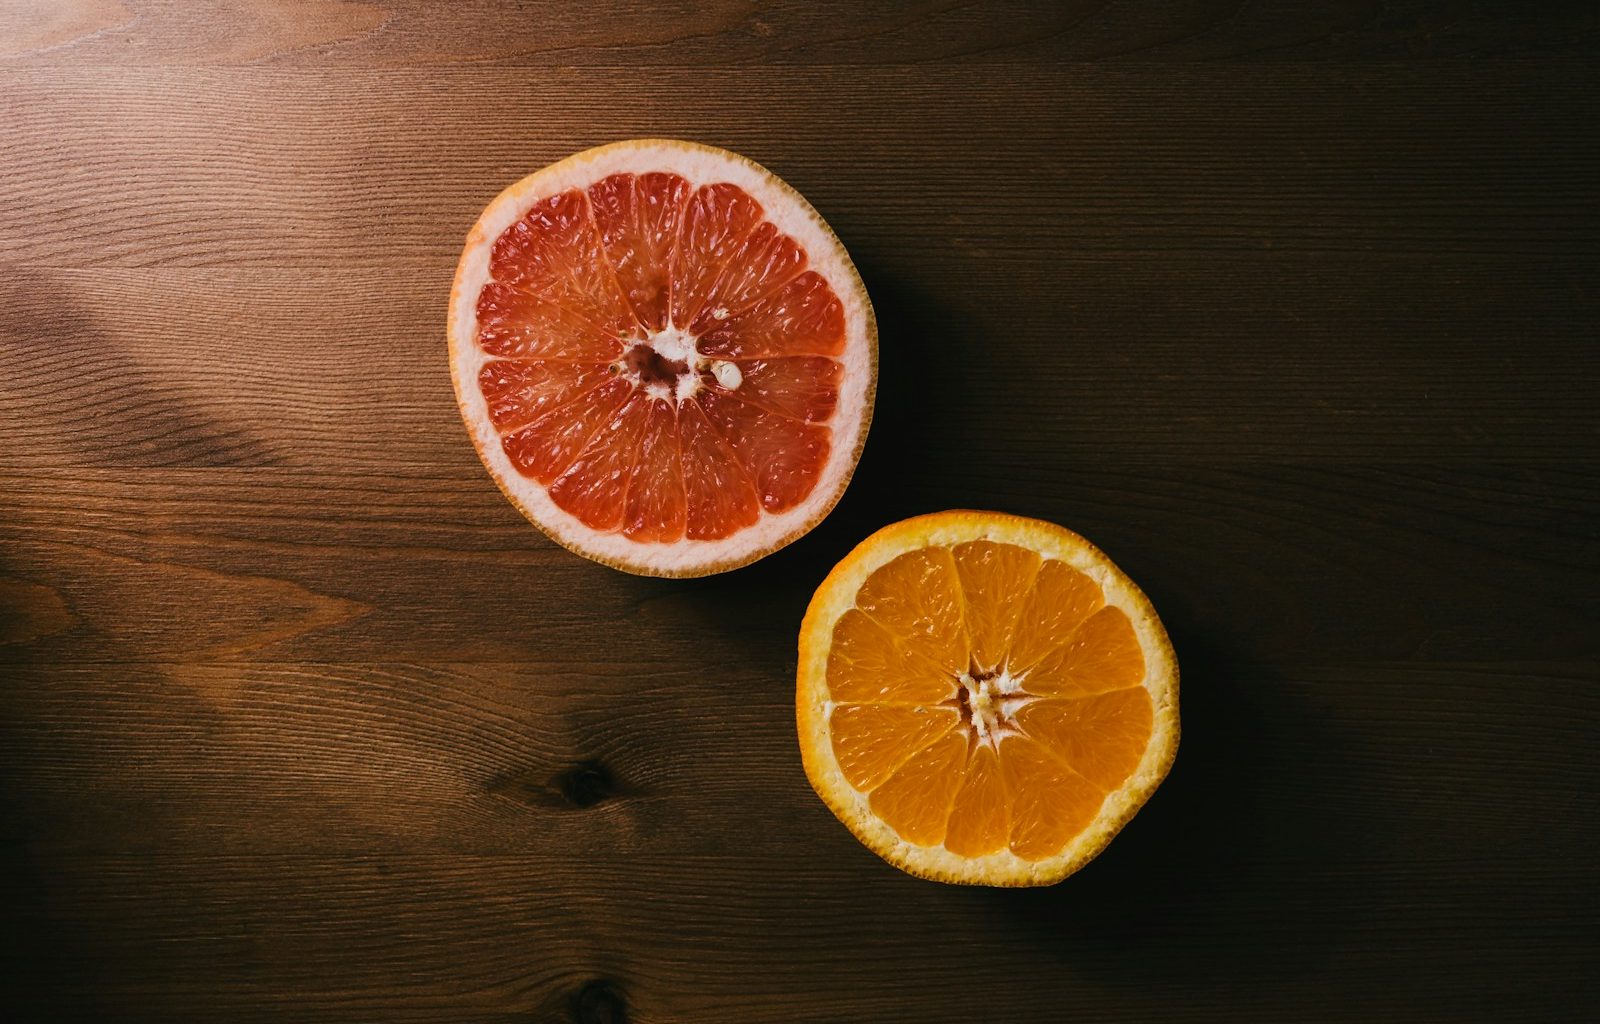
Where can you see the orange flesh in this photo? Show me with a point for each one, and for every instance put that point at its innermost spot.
(986, 698)
(643, 442)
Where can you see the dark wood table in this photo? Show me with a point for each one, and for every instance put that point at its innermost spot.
(1295, 314)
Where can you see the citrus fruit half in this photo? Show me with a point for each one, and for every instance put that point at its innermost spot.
(984, 698)
(663, 355)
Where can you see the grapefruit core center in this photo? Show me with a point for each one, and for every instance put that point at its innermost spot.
(668, 365)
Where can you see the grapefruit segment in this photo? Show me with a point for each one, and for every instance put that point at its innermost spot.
(763, 261)
(783, 456)
(656, 509)
(532, 252)
(555, 253)
(546, 447)
(520, 325)
(718, 492)
(595, 487)
(803, 317)
(637, 217)
(699, 355)
(716, 222)
(801, 387)
(1044, 761)
(519, 392)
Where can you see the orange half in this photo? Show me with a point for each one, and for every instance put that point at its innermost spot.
(984, 698)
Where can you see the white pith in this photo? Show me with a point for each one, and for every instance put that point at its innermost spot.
(813, 705)
(994, 703)
(790, 214)
(671, 343)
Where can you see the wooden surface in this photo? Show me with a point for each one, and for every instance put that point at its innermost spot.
(1295, 314)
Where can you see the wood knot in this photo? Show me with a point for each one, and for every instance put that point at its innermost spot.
(585, 784)
(599, 1002)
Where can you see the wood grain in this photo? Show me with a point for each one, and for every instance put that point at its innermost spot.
(1288, 307)
(267, 167)
(1176, 359)
(403, 830)
(614, 32)
(1270, 562)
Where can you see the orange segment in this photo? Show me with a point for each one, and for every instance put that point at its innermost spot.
(1021, 774)
(865, 664)
(872, 740)
(980, 821)
(991, 576)
(915, 802)
(1061, 598)
(917, 598)
(1102, 737)
(1050, 803)
(1103, 654)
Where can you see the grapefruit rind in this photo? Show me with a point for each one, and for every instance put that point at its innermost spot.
(791, 214)
(837, 595)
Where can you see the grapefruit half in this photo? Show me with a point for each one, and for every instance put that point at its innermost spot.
(663, 355)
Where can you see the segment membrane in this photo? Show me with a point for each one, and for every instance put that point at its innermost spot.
(1102, 737)
(993, 579)
(1103, 654)
(917, 598)
(872, 740)
(916, 799)
(980, 821)
(1061, 598)
(865, 663)
(1050, 803)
